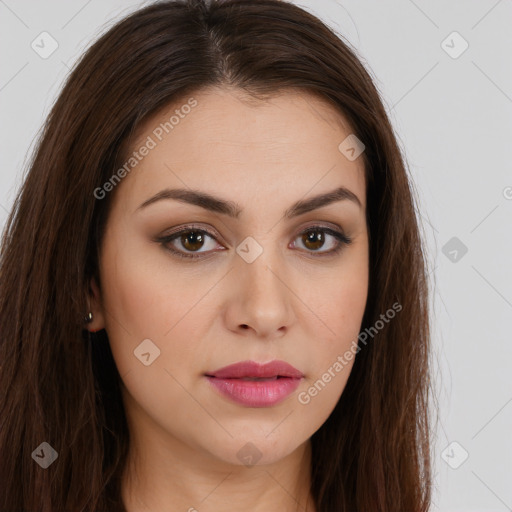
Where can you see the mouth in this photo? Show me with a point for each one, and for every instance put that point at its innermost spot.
(252, 384)
(256, 371)
(257, 379)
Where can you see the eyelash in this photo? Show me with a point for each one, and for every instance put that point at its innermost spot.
(342, 239)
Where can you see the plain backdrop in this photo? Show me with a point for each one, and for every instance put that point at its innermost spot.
(443, 70)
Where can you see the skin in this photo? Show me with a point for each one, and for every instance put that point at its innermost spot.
(207, 313)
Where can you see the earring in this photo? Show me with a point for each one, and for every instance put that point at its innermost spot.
(89, 318)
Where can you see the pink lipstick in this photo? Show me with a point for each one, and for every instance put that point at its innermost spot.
(256, 385)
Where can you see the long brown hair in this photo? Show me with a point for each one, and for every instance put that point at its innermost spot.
(60, 384)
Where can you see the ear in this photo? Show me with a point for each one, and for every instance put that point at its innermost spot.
(95, 307)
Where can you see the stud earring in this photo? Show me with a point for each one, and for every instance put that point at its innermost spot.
(89, 318)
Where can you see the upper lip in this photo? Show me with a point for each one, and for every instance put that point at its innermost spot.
(254, 369)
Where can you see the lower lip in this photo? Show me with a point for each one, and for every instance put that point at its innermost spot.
(251, 393)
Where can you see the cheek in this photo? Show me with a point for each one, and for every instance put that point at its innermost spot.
(345, 310)
(146, 298)
(335, 313)
(331, 364)
(333, 333)
(130, 296)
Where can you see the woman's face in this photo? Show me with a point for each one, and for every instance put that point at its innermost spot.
(260, 277)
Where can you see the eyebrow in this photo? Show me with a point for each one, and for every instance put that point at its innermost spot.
(232, 209)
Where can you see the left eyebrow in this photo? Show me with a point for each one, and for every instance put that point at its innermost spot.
(232, 209)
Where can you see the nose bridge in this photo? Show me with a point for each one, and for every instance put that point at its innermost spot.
(259, 265)
(263, 297)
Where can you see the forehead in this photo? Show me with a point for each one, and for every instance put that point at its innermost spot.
(230, 141)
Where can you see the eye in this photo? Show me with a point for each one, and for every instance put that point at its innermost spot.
(192, 240)
(315, 237)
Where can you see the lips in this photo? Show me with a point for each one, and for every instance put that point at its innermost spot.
(254, 370)
(252, 384)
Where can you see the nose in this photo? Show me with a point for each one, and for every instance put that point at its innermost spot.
(261, 301)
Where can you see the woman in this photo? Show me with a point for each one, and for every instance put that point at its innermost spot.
(219, 192)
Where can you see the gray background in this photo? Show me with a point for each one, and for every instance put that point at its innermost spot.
(453, 116)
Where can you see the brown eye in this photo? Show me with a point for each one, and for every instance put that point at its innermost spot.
(315, 238)
(192, 240)
(188, 243)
